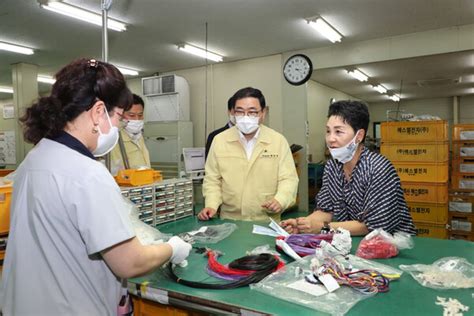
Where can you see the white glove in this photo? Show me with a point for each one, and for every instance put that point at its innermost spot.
(180, 248)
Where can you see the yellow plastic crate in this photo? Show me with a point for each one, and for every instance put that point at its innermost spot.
(414, 132)
(5, 200)
(461, 223)
(135, 177)
(431, 230)
(465, 166)
(425, 192)
(422, 172)
(428, 212)
(423, 152)
(462, 181)
(461, 202)
(463, 132)
(463, 149)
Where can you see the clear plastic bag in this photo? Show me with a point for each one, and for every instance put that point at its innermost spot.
(445, 273)
(146, 234)
(209, 234)
(380, 244)
(263, 249)
(283, 283)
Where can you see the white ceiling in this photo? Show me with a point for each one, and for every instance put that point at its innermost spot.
(241, 29)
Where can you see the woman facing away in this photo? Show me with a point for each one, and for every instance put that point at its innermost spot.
(71, 241)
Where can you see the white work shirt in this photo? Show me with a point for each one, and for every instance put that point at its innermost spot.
(66, 208)
(249, 145)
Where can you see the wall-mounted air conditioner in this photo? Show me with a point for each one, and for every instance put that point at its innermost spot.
(167, 98)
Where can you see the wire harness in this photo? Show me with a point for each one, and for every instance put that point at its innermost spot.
(240, 272)
(365, 281)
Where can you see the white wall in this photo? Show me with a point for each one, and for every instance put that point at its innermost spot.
(466, 110)
(318, 104)
(223, 81)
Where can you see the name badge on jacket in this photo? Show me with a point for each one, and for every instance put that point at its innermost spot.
(267, 154)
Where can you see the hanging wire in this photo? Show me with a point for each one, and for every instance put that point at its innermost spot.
(400, 99)
(205, 101)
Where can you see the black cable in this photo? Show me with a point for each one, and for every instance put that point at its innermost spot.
(263, 264)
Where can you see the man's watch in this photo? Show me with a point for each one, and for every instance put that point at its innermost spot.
(326, 228)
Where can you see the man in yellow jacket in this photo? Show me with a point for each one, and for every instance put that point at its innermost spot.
(250, 172)
(131, 152)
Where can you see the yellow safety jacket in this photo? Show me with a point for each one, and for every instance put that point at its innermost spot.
(240, 186)
(137, 153)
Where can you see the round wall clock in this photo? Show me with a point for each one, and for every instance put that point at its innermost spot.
(298, 69)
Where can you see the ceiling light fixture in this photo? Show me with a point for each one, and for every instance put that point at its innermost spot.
(45, 79)
(200, 52)
(324, 28)
(6, 89)
(81, 14)
(394, 97)
(127, 71)
(380, 88)
(359, 75)
(16, 49)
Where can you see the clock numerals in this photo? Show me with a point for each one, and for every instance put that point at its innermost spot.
(297, 69)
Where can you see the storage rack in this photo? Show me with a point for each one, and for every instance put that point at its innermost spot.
(162, 201)
(419, 151)
(461, 195)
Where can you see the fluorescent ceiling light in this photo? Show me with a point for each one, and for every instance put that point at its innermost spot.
(394, 98)
(325, 29)
(359, 75)
(16, 48)
(128, 71)
(82, 14)
(6, 89)
(380, 88)
(45, 79)
(200, 52)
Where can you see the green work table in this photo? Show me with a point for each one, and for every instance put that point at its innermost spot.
(406, 296)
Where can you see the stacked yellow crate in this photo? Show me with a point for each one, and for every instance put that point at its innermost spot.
(419, 152)
(461, 195)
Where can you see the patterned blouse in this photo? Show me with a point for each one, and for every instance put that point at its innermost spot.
(373, 195)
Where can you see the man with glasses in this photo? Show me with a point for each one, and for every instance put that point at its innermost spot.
(131, 152)
(250, 172)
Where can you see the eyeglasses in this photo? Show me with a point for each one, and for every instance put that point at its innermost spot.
(123, 122)
(249, 113)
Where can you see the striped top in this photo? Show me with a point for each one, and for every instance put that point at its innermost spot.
(373, 195)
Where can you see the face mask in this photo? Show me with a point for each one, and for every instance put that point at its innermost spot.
(232, 119)
(247, 124)
(106, 142)
(345, 153)
(134, 127)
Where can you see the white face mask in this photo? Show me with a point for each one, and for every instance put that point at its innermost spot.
(134, 127)
(345, 153)
(247, 124)
(106, 142)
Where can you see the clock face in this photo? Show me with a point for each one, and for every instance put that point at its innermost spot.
(297, 69)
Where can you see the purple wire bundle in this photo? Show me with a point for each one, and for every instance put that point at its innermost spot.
(304, 244)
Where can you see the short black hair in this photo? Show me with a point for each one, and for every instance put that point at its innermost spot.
(354, 113)
(248, 92)
(138, 100)
(230, 103)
